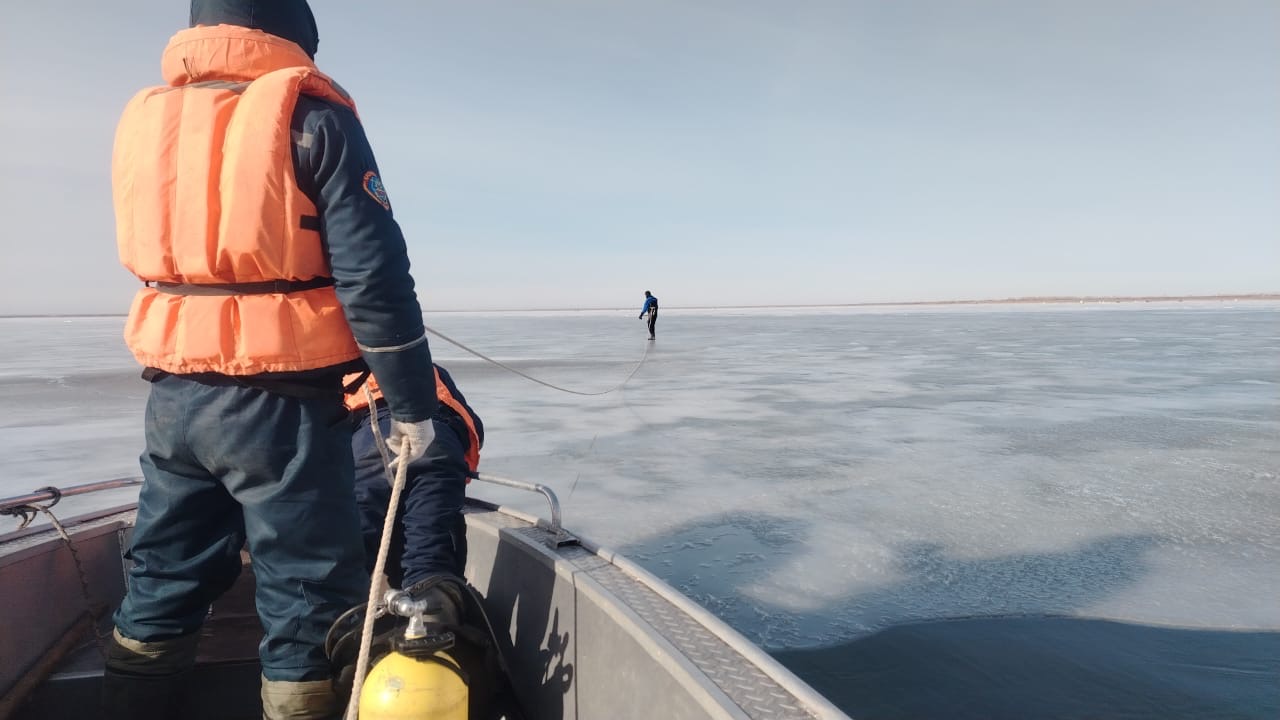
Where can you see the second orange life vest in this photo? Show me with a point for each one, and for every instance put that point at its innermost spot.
(358, 400)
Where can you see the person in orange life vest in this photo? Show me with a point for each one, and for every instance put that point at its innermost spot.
(430, 535)
(249, 203)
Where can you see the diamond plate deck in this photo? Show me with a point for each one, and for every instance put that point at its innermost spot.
(755, 692)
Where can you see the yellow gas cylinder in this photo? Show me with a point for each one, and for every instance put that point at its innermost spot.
(405, 688)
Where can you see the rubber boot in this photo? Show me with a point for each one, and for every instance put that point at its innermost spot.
(305, 700)
(146, 680)
(142, 697)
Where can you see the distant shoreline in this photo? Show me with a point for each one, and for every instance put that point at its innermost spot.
(1031, 300)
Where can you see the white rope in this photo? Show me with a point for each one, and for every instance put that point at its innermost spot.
(526, 376)
(380, 565)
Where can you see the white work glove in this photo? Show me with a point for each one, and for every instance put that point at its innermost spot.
(409, 440)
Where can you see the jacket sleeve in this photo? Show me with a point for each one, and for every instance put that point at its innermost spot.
(335, 168)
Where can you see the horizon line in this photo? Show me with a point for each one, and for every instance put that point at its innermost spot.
(1043, 299)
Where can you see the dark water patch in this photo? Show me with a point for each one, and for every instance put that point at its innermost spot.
(1027, 668)
(935, 583)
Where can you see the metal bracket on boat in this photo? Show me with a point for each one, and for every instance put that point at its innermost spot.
(559, 537)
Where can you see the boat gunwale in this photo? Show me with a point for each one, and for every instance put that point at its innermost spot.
(812, 701)
(116, 518)
(27, 542)
(753, 653)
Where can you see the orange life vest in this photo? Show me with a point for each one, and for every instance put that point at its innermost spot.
(205, 195)
(358, 400)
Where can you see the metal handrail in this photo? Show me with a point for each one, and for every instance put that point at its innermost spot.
(561, 537)
(53, 495)
(50, 493)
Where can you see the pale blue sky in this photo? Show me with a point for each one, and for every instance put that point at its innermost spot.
(573, 153)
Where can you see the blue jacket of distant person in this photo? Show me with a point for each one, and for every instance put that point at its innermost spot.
(650, 303)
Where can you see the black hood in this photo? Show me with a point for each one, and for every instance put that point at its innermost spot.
(289, 19)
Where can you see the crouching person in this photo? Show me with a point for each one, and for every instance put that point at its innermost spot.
(429, 536)
(428, 548)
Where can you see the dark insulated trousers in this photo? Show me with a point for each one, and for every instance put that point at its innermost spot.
(226, 464)
(653, 320)
(430, 535)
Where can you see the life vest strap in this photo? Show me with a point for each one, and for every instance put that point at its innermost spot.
(267, 287)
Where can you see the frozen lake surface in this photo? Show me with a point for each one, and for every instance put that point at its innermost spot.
(817, 476)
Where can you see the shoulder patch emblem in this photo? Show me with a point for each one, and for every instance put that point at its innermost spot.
(373, 185)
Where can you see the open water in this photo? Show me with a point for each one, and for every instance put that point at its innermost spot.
(966, 512)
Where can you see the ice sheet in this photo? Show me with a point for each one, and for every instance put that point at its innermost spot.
(815, 475)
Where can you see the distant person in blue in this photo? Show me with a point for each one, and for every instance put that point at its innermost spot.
(651, 309)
